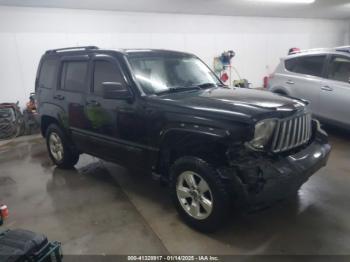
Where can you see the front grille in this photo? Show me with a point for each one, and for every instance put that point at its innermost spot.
(291, 133)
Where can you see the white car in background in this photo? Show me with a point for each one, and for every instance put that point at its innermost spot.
(320, 76)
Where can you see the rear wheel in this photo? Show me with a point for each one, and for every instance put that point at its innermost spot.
(198, 194)
(59, 148)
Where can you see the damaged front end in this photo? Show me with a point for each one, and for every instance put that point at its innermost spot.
(258, 178)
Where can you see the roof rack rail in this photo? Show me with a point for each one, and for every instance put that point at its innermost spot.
(343, 49)
(309, 50)
(72, 49)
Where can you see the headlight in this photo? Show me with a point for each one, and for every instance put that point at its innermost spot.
(263, 132)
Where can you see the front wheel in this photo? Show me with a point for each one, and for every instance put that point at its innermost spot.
(198, 194)
(61, 152)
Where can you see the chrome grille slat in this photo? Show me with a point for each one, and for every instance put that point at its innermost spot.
(304, 130)
(309, 129)
(299, 131)
(276, 134)
(291, 133)
(286, 142)
(281, 138)
(294, 138)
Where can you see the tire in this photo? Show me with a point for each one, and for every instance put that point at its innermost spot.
(192, 205)
(59, 148)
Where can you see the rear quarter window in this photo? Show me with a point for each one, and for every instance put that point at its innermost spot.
(308, 65)
(48, 74)
(290, 64)
(339, 69)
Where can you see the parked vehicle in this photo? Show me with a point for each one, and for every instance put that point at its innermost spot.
(320, 76)
(11, 121)
(168, 113)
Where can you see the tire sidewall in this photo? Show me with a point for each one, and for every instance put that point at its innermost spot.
(70, 158)
(54, 129)
(220, 198)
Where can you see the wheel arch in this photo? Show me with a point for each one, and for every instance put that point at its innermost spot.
(209, 146)
(46, 121)
(51, 114)
(280, 90)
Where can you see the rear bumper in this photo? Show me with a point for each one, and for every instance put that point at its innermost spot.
(273, 179)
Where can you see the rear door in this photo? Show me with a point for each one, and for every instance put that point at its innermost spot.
(304, 78)
(335, 91)
(70, 94)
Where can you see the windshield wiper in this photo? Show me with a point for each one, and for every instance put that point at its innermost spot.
(178, 89)
(188, 88)
(207, 85)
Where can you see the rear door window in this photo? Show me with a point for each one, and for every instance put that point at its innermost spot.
(73, 76)
(339, 69)
(308, 65)
(48, 74)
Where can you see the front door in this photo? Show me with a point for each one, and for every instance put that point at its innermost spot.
(335, 91)
(116, 125)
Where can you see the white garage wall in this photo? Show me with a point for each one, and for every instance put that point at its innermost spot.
(25, 33)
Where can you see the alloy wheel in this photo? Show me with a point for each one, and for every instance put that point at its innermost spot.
(194, 195)
(56, 146)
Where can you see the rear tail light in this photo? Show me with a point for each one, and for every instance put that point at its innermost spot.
(266, 80)
(4, 213)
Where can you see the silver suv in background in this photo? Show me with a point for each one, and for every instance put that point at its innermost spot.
(320, 76)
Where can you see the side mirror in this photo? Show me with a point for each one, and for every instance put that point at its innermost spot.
(115, 90)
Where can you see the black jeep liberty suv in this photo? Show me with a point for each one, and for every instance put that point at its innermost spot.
(167, 113)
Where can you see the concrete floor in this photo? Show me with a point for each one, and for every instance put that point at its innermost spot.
(102, 208)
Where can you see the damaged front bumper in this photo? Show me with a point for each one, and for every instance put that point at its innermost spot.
(259, 181)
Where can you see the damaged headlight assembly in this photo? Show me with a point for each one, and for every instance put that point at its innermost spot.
(263, 132)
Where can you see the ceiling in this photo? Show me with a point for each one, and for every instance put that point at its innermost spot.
(334, 9)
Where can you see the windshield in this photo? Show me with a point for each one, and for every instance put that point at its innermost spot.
(163, 72)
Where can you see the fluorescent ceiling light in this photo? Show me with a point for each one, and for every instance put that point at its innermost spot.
(286, 1)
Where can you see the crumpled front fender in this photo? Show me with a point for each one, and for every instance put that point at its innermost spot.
(272, 179)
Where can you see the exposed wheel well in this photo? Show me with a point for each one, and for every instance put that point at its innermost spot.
(45, 122)
(280, 92)
(210, 150)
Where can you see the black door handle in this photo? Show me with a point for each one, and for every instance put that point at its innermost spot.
(93, 103)
(58, 97)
